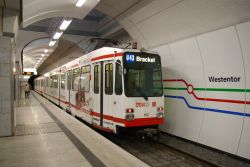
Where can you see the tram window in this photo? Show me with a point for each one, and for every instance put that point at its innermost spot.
(47, 82)
(56, 81)
(96, 78)
(118, 78)
(63, 79)
(85, 78)
(51, 81)
(68, 80)
(76, 79)
(109, 79)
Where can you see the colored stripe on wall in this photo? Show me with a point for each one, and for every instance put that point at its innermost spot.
(207, 109)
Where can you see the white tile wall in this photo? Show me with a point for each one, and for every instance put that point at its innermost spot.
(5, 87)
(5, 124)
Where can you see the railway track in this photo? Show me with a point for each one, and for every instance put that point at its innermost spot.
(154, 153)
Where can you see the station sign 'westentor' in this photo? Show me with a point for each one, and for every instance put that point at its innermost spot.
(223, 79)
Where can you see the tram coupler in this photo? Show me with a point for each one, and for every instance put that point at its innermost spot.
(151, 133)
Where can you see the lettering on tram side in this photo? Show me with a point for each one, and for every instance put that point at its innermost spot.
(223, 79)
(142, 104)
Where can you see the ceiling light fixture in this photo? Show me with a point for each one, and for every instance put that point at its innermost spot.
(43, 55)
(57, 35)
(79, 3)
(65, 24)
(46, 50)
(52, 43)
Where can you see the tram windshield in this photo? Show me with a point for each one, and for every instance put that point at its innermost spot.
(142, 75)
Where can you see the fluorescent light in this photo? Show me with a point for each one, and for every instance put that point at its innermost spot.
(65, 24)
(46, 50)
(52, 43)
(79, 3)
(57, 35)
(43, 55)
(40, 58)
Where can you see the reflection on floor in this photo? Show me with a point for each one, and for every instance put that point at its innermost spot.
(39, 142)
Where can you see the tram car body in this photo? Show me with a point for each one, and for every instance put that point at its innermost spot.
(109, 88)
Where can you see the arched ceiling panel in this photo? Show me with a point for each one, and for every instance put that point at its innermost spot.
(36, 10)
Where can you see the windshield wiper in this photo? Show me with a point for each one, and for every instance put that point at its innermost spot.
(142, 93)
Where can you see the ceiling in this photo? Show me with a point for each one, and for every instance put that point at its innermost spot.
(13, 4)
(79, 32)
(2, 3)
(33, 53)
(84, 27)
(100, 22)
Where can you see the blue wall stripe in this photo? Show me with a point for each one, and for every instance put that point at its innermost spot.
(208, 109)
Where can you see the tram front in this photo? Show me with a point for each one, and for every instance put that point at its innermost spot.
(144, 99)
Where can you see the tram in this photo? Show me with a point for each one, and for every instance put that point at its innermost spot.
(109, 88)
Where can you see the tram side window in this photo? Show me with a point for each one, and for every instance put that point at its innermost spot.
(96, 78)
(109, 79)
(118, 78)
(47, 82)
(51, 81)
(63, 79)
(55, 81)
(85, 78)
(76, 79)
(157, 82)
(68, 80)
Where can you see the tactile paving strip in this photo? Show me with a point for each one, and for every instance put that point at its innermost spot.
(31, 129)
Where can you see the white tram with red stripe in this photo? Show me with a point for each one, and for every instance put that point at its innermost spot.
(109, 88)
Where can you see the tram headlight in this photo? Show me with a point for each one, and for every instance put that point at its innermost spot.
(129, 117)
(160, 109)
(130, 110)
(160, 112)
(130, 114)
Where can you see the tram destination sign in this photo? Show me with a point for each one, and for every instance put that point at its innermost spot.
(138, 58)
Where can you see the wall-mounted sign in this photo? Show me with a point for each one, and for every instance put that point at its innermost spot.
(223, 79)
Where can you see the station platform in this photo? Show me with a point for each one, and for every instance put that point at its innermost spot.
(45, 135)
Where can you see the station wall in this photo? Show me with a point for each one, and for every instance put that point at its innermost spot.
(213, 112)
(205, 53)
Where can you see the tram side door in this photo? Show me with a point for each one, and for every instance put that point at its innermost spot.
(97, 102)
(108, 92)
(103, 92)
